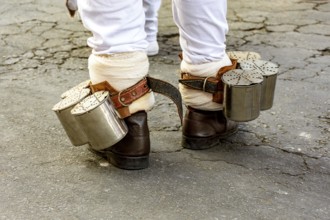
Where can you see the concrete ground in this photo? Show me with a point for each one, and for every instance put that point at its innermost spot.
(275, 167)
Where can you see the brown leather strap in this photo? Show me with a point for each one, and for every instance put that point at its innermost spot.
(212, 85)
(218, 76)
(126, 97)
(168, 90)
(121, 100)
(102, 86)
(219, 95)
(227, 68)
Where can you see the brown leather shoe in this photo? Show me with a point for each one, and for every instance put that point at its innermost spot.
(204, 129)
(132, 152)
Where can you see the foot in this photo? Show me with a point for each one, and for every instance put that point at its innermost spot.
(132, 152)
(204, 129)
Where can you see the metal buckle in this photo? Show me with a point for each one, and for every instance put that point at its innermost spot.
(205, 81)
(119, 100)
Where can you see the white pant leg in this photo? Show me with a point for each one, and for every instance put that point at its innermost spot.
(151, 8)
(119, 44)
(117, 25)
(202, 27)
(122, 70)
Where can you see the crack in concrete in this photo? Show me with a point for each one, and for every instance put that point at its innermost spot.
(293, 175)
(216, 160)
(30, 27)
(316, 4)
(306, 171)
(306, 164)
(275, 170)
(168, 151)
(262, 139)
(325, 52)
(167, 128)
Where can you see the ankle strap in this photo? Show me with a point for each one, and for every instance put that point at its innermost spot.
(124, 98)
(212, 84)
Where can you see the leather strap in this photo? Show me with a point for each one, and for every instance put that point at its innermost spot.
(121, 100)
(206, 84)
(102, 86)
(169, 91)
(126, 97)
(212, 85)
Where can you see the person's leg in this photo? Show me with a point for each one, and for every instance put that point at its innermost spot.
(119, 58)
(202, 27)
(151, 8)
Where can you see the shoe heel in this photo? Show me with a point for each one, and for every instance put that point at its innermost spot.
(128, 163)
(199, 143)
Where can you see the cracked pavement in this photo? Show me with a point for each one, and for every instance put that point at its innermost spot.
(275, 167)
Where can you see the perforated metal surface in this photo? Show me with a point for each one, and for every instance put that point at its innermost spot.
(241, 77)
(72, 99)
(262, 67)
(243, 55)
(78, 87)
(90, 103)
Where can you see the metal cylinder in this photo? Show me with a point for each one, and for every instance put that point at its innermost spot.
(63, 111)
(242, 103)
(269, 72)
(268, 92)
(242, 93)
(98, 118)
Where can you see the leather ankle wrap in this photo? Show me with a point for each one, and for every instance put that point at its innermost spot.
(122, 99)
(212, 84)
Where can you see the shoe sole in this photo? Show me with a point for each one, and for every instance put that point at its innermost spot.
(229, 133)
(204, 143)
(128, 163)
(199, 143)
(123, 162)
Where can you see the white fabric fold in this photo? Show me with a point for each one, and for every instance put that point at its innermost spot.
(121, 71)
(197, 98)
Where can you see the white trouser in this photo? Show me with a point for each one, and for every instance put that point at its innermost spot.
(202, 27)
(151, 8)
(118, 26)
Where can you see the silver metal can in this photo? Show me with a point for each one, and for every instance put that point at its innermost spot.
(242, 94)
(98, 118)
(269, 72)
(63, 111)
